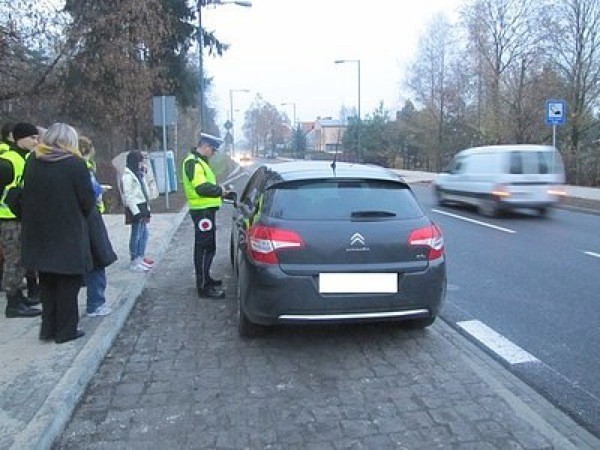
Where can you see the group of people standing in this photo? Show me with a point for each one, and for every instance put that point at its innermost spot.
(51, 226)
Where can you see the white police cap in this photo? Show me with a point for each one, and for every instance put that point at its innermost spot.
(211, 140)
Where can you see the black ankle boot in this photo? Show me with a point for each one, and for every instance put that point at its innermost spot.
(21, 310)
(16, 306)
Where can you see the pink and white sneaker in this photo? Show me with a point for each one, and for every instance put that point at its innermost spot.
(147, 262)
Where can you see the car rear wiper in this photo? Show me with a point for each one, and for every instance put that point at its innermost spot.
(361, 214)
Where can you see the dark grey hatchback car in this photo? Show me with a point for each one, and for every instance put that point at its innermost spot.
(316, 242)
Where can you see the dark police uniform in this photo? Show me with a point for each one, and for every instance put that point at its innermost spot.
(204, 199)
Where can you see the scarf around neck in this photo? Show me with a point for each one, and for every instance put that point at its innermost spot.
(53, 154)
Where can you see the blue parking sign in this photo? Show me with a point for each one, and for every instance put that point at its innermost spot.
(556, 112)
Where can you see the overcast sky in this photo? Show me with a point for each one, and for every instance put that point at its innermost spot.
(285, 51)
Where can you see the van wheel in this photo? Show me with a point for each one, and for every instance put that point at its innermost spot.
(543, 211)
(440, 197)
(489, 208)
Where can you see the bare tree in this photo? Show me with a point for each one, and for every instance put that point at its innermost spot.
(263, 125)
(429, 78)
(32, 48)
(502, 33)
(575, 49)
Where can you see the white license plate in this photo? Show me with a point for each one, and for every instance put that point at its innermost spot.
(358, 283)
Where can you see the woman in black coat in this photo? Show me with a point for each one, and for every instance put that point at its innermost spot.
(57, 198)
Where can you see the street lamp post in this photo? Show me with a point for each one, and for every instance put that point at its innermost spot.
(231, 91)
(293, 104)
(200, 37)
(357, 61)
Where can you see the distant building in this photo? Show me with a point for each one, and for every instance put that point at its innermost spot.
(325, 135)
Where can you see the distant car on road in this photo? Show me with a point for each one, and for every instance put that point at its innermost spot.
(498, 178)
(244, 159)
(316, 243)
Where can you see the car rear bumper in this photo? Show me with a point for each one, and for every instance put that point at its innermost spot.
(273, 296)
(337, 317)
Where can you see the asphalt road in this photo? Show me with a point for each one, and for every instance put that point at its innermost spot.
(536, 282)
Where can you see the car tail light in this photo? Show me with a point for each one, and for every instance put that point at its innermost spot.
(500, 191)
(264, 242)
(558, 191)
(431, 237)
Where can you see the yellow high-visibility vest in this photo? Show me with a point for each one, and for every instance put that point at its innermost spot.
(18, 164)
(202, 174)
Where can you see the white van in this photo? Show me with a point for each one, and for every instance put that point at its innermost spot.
(497, 178)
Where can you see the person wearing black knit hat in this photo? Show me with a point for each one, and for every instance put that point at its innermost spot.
(12, 164)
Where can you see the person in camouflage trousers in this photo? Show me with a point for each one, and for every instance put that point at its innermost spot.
(12, 164)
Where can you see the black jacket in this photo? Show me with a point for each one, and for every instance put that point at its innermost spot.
(57, 198)
(103, 254)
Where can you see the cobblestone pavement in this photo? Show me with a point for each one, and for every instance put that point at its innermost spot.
(178, 376)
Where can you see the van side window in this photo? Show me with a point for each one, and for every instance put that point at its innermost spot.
(516, 162)
(543, 162)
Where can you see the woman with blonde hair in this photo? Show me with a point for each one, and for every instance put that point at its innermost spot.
(57, 199)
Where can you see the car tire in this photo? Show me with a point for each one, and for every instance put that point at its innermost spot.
(231, 252)
(419, 324)
(543, 211)
(246, 328)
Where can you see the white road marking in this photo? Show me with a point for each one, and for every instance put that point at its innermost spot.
(596, 255)
(511, 353)
(477, 222)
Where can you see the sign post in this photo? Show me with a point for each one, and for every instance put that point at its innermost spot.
(555, 115)
(164, 113)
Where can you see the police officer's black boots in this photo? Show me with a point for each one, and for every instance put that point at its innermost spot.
(210, 291)
(16, 307)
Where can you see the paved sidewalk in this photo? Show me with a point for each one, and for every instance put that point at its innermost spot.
(41, 382)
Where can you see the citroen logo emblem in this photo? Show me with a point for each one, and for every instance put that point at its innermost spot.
(357, 239)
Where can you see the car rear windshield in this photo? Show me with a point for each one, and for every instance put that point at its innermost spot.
(343, 200)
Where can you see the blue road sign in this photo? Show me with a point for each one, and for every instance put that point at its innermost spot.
(556, 112)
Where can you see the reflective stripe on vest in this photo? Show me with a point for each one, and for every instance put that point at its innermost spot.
(18, 164)
(204, 175)
(4, 147)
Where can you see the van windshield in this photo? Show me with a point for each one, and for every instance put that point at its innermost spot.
(542, 162)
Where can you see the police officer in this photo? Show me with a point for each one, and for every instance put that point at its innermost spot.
(12, 163)
(204, 198)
